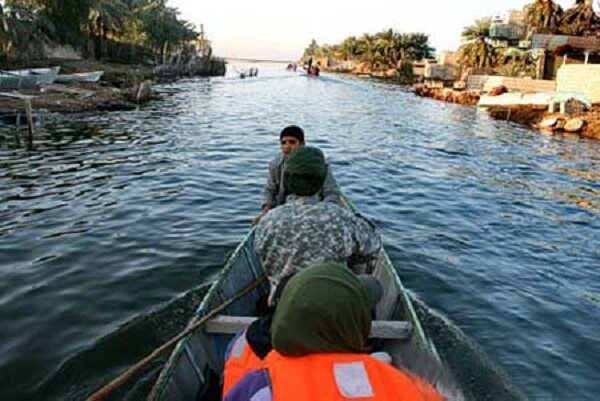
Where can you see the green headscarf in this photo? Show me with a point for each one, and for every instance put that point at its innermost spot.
(323, 309)
(305, 172)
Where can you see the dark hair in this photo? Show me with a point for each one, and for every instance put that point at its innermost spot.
(293, 131)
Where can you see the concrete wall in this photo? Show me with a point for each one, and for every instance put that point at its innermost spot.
(487, 83)
(580, 78)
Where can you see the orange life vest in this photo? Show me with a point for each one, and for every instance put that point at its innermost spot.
(343, 377)
(240, 361)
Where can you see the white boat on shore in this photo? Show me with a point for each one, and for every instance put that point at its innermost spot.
(93, 76)
(27, 78)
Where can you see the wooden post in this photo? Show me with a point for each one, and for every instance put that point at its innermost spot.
(30, 126)
(17, 130)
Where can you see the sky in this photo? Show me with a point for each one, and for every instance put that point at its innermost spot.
(280, 30)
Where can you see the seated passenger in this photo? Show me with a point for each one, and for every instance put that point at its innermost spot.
(248, 349)
(274, 194)
(319, 335)
(305, 231)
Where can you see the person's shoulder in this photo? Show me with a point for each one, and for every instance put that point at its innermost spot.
(344, 213)
(277, 213)
(332, 209)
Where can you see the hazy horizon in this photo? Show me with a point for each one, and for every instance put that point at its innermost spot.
(275, 30)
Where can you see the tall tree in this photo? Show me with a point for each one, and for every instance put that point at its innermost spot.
(68, 16)
(106, 16)
(476, 50)
(165, 32)
(581, 19)
(543, 16)
(24, 28)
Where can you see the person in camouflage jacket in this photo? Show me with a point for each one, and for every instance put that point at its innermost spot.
(305, 231)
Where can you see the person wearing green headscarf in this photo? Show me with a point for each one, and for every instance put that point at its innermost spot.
(304, 231)
(319, 335)
(324, 308)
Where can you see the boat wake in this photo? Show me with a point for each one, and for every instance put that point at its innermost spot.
(475, 374)
(87, 371)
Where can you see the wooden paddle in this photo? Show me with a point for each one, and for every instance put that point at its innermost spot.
(141, 365)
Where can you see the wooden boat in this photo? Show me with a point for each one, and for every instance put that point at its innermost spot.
(93, 76)
(45, 76)
(10, 82)
(313, 72)
(30, 78)
(193, 371)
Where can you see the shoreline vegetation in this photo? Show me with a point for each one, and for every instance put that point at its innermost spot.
(133, 42)
(508, 62)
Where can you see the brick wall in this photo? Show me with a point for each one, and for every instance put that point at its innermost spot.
(580, 78)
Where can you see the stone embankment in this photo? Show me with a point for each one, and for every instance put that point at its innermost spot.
(448, 95)
(584, 124)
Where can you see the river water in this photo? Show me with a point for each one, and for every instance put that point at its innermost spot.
(111, 230)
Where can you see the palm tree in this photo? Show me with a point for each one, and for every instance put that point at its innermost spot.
(581, 19)
(476, 51)
(106, 16)
(24, 29)
(368, 49)
(415, 46)
(386, 47)
(543, 16)
(349, 48)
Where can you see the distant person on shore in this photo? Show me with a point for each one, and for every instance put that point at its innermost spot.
(291, 137)
(305, 231)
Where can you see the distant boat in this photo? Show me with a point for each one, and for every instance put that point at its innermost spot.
(313, 72)
(93, 76)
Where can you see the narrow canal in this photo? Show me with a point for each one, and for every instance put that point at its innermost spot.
(112, 228)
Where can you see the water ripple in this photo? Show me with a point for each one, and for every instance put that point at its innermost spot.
(115, 215)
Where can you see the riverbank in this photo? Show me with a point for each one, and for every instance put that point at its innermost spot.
(448, 95)
(584, 124)
(122, 86)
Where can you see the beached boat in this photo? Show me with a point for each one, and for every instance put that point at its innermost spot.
(29, 78)
(193, 371)
(93, 76)
(10, 82)
(45, 76)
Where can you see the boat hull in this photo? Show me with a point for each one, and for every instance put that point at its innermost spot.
(80, 77)
(194, 368)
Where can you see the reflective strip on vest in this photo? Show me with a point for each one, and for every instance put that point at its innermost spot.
(264, 394)
(238, 348)
(352, 380)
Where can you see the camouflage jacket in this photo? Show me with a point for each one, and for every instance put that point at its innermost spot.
(274, 194)
(305, 231)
